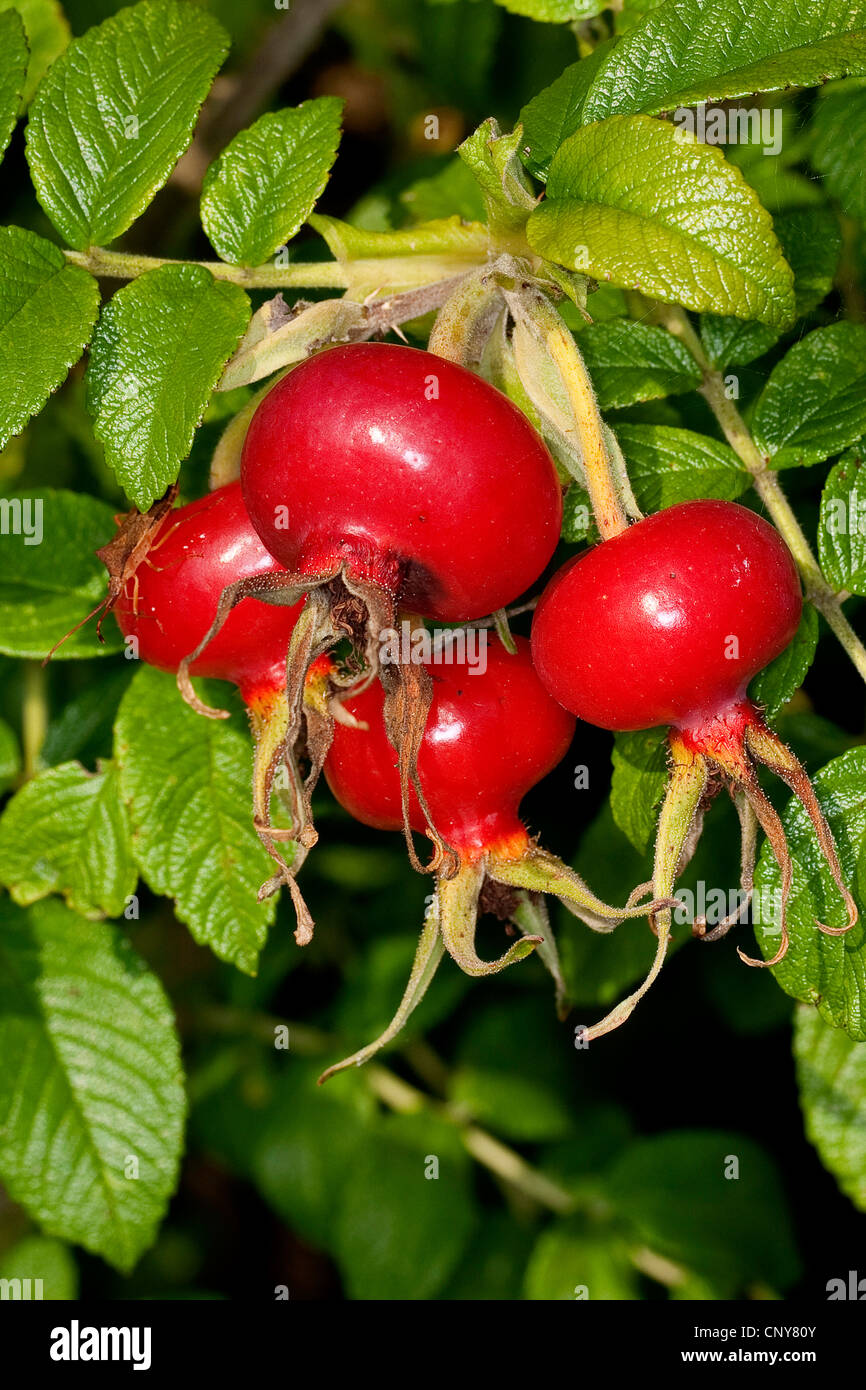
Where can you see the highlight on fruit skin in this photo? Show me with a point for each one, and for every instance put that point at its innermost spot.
(667, 623)
(383, 479)
(491, 735)
(167, 607)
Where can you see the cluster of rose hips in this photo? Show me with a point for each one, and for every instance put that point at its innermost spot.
(382, 484)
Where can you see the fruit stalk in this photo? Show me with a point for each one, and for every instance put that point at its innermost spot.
(530, 304)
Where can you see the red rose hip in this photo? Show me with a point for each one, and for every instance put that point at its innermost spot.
(491, 735)
(409, 471)
(668, 622)
(171, 601)
(169, 605)
(489, 738)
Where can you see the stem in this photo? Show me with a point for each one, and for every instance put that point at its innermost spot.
(466, 320)
(403, 271)
(544, 320)
(398, 1095)
(122, 265)
(34, 718)
(228, 1021)
(606, 506)
(514, 1170)
(767, 486)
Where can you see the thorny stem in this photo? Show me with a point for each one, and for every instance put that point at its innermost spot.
(766, 484)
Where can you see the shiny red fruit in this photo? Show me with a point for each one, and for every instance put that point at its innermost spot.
(489, 738)
(668, 622)
(171, 601)
(412, 472)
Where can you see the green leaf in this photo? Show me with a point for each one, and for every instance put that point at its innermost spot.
(777, 178)
(667, 465)
(453, 190)
(186, 781)
(115, 113)
(50, 578)
(632, 12)
(555, 11)
(297, 1168)
(47, 310)
(831, 1076)
(577, 519)
(81, 729)
(631, 362)
(67, 832)
(516, 1106)
(842, 528)
(838, 140)
(604, 1130)
(13, 67)
(691, 51)
(814, 403)
(455, 46)
(492, 1267)
(731, 342)
(265, 183)
(157, 353)
(632, 202)
(812, 242)
(91, 1094)
(827, 971)
(443, 236)
(47, 32)
(557, 111)
(640, 774)
(493, 159)
(773, 687)
(10, 756)
(521, 1041)
(44, 1259)
(569, 1262)
(407, 1212)
(711, 1202)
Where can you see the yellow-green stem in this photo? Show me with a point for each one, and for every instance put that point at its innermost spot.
(34, 718)
(767, 486)
(398, 1095)
(388, 271)
(607, 507)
